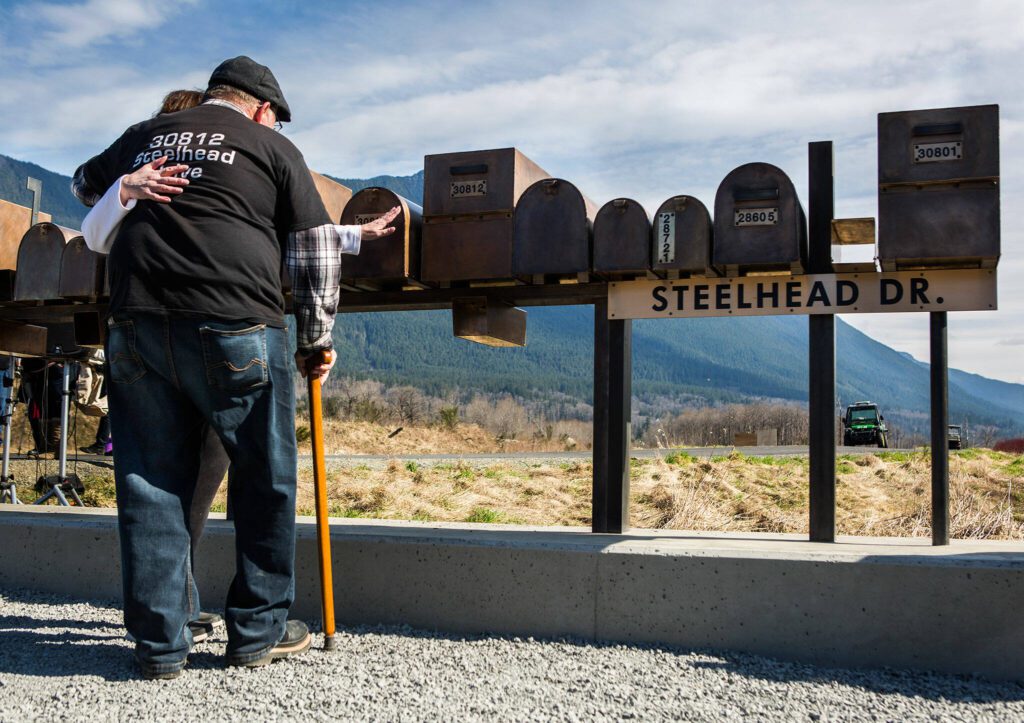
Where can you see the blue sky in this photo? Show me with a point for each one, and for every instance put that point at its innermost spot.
(640, 99)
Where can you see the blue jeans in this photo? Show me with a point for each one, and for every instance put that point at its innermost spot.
(169, 376)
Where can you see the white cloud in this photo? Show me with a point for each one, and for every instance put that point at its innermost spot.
(648, 101)
(78, 25)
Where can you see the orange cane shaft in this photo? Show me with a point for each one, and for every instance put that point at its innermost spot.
(323, 532)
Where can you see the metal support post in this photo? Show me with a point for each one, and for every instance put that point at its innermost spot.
(940, 420)
(821, 349)
(8, 492)
(613, 371)
(63, 483)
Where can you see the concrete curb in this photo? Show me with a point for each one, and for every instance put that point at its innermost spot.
(860, 602)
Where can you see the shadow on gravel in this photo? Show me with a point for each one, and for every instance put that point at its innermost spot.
(938, 687)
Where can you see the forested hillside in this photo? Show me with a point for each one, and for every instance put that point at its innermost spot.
(675, 362)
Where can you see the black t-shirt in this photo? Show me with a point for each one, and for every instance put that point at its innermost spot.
(216, 249)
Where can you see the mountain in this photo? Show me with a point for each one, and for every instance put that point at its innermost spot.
(57, 198)
(409, 187)
(697, 360)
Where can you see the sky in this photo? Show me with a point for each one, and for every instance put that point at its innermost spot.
(644, 99)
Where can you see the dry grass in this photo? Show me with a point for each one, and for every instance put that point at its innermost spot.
(883, 494)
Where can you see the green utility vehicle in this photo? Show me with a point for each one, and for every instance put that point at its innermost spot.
(955, 436)
(864, 425)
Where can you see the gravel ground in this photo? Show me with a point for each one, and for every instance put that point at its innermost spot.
(62, 659)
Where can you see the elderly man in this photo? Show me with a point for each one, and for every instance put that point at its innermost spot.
(196, 336)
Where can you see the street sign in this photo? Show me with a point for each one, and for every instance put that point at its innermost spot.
(861, 293)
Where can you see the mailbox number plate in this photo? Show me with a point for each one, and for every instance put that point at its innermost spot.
(461, 189)
(757, 216)
(932, 152)
(362, 218)
(666, 246)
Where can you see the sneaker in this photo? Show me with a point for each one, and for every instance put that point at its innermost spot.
(296, 640)
(203, 627)
(155, 672)
(94, 448)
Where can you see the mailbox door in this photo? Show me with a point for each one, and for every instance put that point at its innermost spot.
(81, 271)
(39, 262)
(621, 238)
(551, 230)
(759, 222)
(394, 257)
(681, 236)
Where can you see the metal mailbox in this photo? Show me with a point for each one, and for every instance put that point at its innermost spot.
(333, 194)
(938, 188)
(681, 237)
(622, 246)
(392, 258)
(468, 202)
(490, 323)
(17, 339)
(15, 220)
(551, 230)
(39, 262)
(81, 271)
(759, 222)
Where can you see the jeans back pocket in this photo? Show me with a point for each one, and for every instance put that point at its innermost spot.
(236, 359)
(126, 366)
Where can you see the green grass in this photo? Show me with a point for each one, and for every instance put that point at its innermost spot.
(680, 458)
(412, 467)
(780, 461)
(1016, 467)
(487, 515)
(844, 467)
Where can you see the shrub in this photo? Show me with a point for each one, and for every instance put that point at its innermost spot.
(302, 434)
(1013, 446)
(448, 417)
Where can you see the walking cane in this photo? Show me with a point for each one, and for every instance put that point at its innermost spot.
(323, 532)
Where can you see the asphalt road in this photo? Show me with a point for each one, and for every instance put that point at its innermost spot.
(585, 456)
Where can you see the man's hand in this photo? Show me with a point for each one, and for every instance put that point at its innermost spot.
(319, 363)
(378, 227)
(151, 180)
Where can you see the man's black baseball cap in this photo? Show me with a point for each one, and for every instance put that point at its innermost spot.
(246, 74)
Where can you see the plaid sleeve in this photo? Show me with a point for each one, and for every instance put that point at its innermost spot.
(314, 264)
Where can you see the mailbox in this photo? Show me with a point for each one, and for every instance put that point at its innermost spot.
(333, 194)
(81, 271)
(622, 240)
(681, 238)
(17, 339)
(39, 262)
(938, 188)
(391, 258)
(15, 220)
(468, 202)
(490, 323)
(551, 230)
(759, 222)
